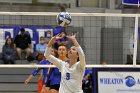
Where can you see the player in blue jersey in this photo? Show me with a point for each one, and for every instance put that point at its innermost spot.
(55, 76)
(87, 81)
(46, 72)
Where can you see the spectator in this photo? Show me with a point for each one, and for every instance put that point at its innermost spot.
(61, 42)
(49, 35)
(8, 52)
(23, 42)
(40, 48)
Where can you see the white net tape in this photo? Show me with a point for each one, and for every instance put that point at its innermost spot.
(52, 66)
(73, 14)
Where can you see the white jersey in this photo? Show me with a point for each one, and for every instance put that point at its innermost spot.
(71, 78)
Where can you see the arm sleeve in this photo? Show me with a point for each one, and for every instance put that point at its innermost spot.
(57, 62)
(81, 57)
(36, 71)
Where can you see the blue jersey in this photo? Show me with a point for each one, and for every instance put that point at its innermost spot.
(55, 76)
(45, 71)
(58, 30)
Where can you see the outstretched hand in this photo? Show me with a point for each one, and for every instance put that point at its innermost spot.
(57, 37)
(73, 38)
(53, 39)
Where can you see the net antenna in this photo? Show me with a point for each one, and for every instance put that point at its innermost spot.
(136, 37)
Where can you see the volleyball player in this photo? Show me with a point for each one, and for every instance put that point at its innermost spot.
(55, 76)
(71, 73)
(46, 72)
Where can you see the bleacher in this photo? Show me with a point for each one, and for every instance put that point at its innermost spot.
(12, 79)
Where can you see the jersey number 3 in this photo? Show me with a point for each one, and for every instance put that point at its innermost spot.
(67, 76)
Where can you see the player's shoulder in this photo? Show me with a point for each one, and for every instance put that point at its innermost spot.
(44, 62)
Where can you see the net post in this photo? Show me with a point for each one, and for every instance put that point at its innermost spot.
(135, 41)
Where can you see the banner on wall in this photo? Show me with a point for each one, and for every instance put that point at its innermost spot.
(118, 82)
(131, 2)
(34, 31)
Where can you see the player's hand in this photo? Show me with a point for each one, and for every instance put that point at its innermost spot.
(71, 36)
(53, 39)
(26, 81)
(57, 37)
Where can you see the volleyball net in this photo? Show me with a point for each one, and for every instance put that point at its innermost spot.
(109, 40)
(105, 37)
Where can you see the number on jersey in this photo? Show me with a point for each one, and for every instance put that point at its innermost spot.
(67, 76)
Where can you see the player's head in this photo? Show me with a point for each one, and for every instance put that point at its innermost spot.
(22, 31)
(62, 51)
(53, 52)
(72, 53)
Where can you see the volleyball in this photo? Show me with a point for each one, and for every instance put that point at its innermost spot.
(64, 19)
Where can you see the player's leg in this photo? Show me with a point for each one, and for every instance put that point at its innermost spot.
(54, 91)
(47, 89)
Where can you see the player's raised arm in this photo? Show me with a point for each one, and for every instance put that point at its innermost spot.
(79, 50)
(57, 62)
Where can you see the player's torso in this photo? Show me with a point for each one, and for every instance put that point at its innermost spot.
(71, 78)
(70, 73)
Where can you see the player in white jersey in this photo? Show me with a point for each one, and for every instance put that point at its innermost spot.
(72, 72)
